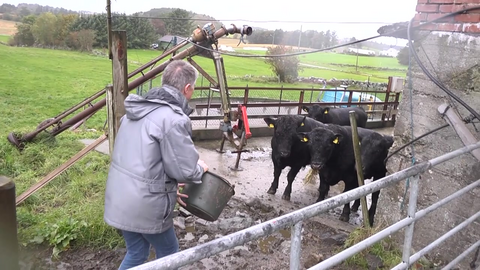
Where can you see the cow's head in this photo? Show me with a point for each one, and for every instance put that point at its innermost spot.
(285, 131)
(316, 112)
(321, 143)
(374, 149)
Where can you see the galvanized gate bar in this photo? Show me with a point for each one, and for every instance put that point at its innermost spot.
(216, 246)
(412, 209)
(340, 257)
(268, 227)
(462, 256)
(296, 246)
(415, 257)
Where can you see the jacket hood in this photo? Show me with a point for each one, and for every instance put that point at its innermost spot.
(137, 107)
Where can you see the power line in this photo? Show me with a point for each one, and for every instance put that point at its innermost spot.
(388, 34)
(250, 21)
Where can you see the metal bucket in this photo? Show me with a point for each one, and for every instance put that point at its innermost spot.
(208, 199)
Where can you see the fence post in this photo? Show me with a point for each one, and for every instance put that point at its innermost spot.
(412, 209)
(8, 225)
(302, 96)
(358, 163)
(120, 84)
(387, 98)
(296, 246)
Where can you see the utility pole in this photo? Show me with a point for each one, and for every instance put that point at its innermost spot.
(109, 29)
(300, 36)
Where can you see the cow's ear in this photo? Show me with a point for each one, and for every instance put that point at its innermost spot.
(305, 108)
(337, 138)
(302, 123)
(303, 136)
(270, 122)
(326, 110)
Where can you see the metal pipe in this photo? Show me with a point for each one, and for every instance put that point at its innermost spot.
(339, 257)
(412, 209)
(296, 246)
(462, 256)
(415, 257)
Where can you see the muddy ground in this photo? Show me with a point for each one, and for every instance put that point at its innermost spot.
(322, 236)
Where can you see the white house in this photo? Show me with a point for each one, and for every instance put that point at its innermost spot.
(390, 52)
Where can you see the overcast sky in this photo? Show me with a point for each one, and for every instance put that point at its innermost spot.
(356, 11)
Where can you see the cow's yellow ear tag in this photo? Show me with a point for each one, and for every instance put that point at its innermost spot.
(305, 110)
(335, 141)
(326, 112)
(302, 124)
(305, 139)
(271, 126)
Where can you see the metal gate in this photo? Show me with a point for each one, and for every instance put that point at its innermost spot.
(296, 218)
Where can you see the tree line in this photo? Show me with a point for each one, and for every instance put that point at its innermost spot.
(84, 32)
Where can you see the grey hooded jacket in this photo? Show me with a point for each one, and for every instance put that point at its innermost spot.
(153, 152)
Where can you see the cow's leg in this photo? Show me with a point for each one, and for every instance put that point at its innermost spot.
(290, 177)
(323, 189)
(277, 170)
(345, 216)
(373, 207)
(356, 205)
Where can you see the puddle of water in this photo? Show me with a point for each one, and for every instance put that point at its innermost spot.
(265, 243)
(285, 233)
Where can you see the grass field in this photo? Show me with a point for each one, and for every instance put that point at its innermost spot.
(40, 83)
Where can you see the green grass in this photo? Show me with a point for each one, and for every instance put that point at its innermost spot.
(38, 84)
(4, 38)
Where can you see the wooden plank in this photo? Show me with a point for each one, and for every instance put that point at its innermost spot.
(120, 84)
(8, 225)
(59, 170)
(460, 128)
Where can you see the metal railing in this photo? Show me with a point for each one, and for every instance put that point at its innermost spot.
(295, 219)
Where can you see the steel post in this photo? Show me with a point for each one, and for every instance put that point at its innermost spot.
(296, 246)
(412, 209)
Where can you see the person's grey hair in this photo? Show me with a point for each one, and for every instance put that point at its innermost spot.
(178, 74)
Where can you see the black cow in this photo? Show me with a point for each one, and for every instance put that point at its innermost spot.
(331, 152)
(338, 116)
(374, 149)
(287, 150)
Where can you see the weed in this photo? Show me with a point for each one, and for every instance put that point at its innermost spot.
(59, 235)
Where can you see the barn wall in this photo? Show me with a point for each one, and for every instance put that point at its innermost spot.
(453, 48)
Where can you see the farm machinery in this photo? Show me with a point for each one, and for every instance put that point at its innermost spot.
(203, 40)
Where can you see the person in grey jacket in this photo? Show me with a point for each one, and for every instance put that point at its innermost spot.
(153, 153)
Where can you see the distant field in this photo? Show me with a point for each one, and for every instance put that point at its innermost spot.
(7, 27)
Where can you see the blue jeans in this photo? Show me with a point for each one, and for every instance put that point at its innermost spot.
(138, 246)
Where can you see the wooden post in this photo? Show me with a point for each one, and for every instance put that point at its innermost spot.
(8, 225)
(119, 91)
(358, 162)
(459, 126)
(109, 29)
